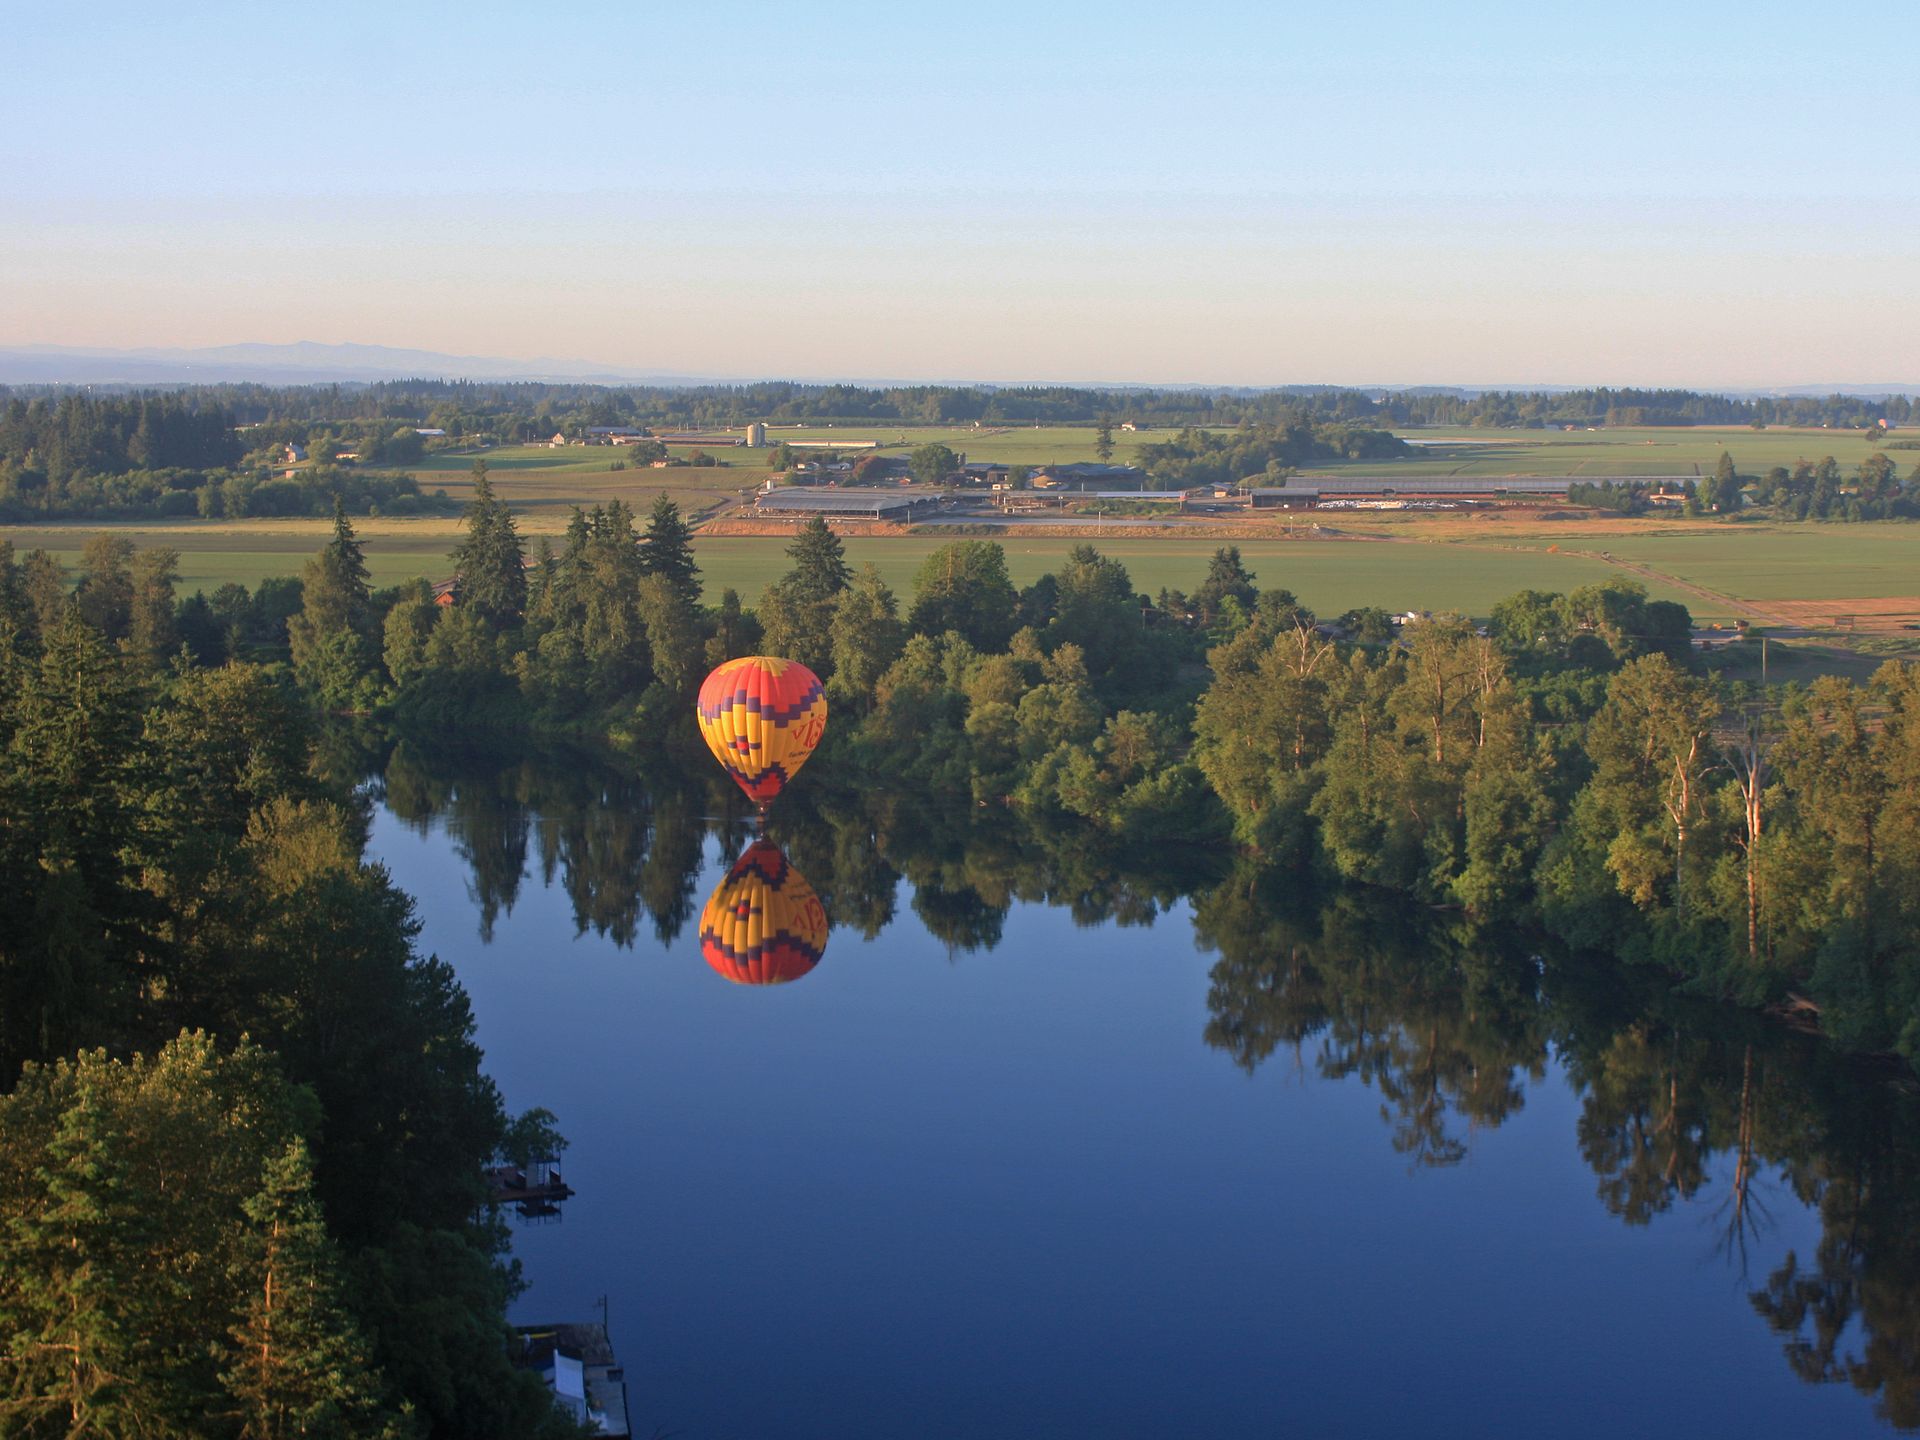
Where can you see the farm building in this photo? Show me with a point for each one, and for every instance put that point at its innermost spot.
(800, 501)
(756, 436)
(688, 438)
(1085, 475)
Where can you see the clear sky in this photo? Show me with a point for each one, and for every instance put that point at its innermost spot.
(1683, 192)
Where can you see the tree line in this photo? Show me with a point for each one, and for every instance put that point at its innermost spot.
(514, 411)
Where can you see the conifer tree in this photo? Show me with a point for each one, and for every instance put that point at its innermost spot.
(331, 638)
(798, 610)
(489, 576)
(667, 550)
(150, 626)
(301, 1367)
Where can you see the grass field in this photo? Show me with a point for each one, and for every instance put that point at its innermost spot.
(543, 485)
(1329, 576)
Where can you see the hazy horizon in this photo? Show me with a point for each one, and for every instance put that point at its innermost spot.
(1265, 195)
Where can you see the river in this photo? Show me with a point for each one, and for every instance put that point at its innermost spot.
(1048, 1145)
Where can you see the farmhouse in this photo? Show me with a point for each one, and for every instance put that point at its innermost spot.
(800, 501)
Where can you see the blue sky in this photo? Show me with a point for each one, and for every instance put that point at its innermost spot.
(1707, 193)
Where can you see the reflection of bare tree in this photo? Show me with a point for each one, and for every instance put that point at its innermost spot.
(1742, 1215)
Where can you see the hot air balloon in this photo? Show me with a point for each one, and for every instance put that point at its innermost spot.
(762, 718)
(763, 924)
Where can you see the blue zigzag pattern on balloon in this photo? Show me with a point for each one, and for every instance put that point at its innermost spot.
(766, 710)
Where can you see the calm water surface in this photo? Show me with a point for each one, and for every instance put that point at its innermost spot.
(998, 1166)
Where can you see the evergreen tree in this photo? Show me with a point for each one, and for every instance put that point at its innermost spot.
(1227, 578)
(331, 638)
(820, 570)
(300, 1366)
(797, 611)
(667, 551)
(151, 632)
(490, 576)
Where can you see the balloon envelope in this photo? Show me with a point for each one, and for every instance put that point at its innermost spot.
(762, 717)
(763, 924)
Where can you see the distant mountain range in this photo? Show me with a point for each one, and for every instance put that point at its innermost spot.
(302, 363)
(307, 362)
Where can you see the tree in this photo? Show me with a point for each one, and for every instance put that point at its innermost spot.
(1651, 747)
(1103, 439)
(105, 592)
(1227, 578)
(666, 550)
(1723, 486)
(931, 464)
(867, 636)
(300, 1368)
(965, 587)
(150, 620)
(490, 576)
(332, 636)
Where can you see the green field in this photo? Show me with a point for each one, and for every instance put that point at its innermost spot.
(1781, 562)
(545, 484)
(1330, 576)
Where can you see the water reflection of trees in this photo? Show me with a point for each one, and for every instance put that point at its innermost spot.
(1682, 1105)
(1680, 1101)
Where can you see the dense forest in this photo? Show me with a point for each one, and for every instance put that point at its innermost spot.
(242, 1119)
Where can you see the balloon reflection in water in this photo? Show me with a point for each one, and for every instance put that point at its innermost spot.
(763, 924)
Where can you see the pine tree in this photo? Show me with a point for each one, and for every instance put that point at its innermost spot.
(820, 570)
(489, 574)
(798, 610)
(331, 638)
(68, 1357)
(301, 1367)
(667, 551)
